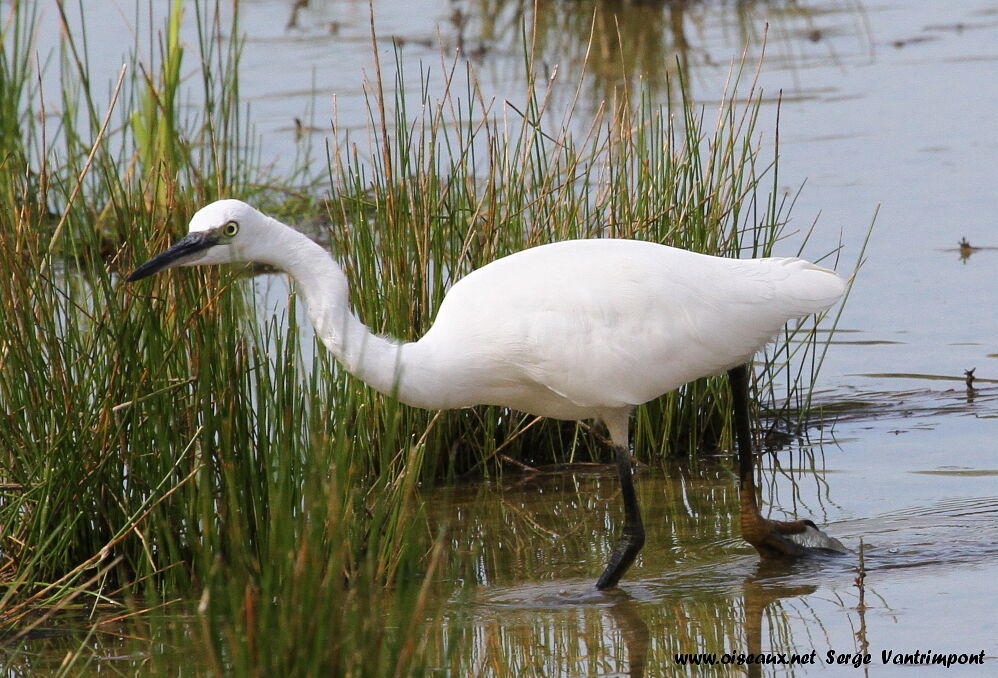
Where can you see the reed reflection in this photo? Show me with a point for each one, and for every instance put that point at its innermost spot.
(621, 44)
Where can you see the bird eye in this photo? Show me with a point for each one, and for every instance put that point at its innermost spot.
(230, 228)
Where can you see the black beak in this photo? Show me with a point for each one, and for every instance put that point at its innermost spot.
(189, 246)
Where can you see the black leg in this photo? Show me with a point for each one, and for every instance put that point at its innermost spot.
(771, 538)
(632, 537)
(738, 377)
(755, 529)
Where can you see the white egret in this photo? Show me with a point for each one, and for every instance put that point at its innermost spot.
(581, 329)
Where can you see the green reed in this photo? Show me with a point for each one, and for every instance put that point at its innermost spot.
(171, 440)
(471, 180)
(166, 442)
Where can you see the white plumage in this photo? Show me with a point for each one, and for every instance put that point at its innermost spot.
(582, 329)
(574, 329)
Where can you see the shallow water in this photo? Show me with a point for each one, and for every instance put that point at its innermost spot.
(883, 104)
(929, 540)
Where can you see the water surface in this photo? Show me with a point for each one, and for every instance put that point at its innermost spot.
(881, 104)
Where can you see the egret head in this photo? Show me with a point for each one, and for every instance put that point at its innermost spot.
(226, 231)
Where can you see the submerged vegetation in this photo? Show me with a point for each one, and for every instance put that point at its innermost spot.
(175, 441)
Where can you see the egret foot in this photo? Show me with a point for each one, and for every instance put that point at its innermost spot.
(771, 538)
(775, 539)
(632, 536)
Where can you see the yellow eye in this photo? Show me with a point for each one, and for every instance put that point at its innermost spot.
(230, 228)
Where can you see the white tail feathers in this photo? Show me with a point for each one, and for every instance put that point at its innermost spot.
(813, 288)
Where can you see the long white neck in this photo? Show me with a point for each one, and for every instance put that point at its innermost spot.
(378, 361)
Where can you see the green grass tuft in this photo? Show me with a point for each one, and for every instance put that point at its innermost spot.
(171, 440)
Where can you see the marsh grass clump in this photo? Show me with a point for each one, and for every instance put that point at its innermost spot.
(445, 195)
(171, 444)
(176, 441)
